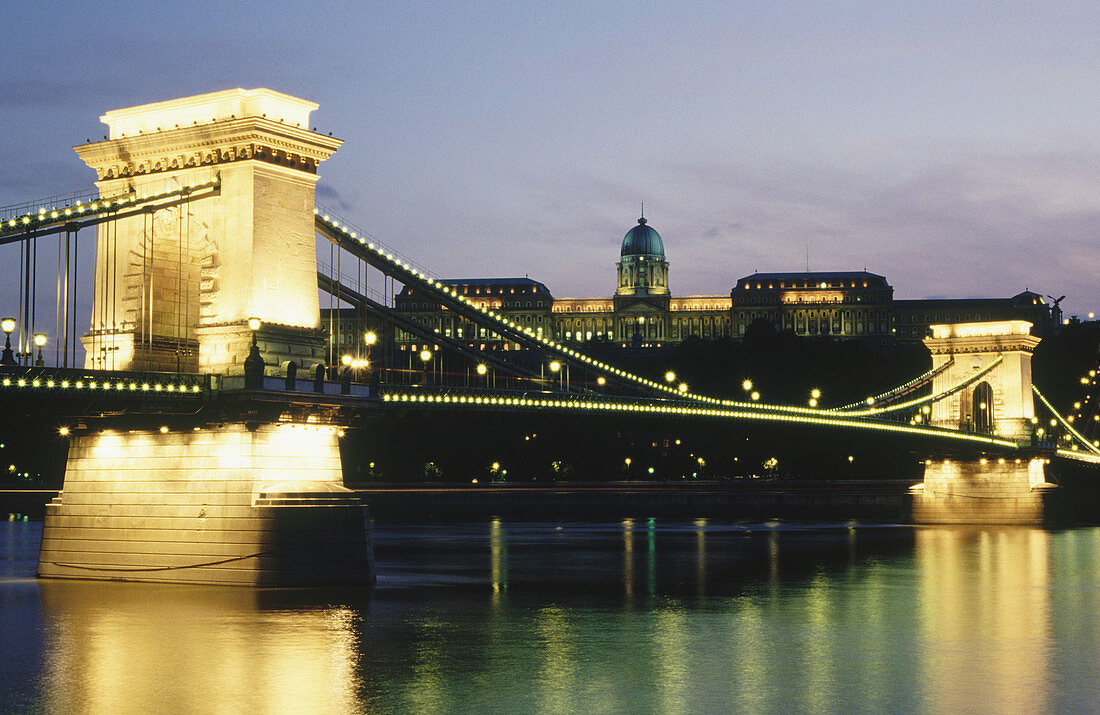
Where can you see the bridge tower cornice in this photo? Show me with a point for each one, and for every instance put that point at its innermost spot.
(218, 142)
(1001, 337)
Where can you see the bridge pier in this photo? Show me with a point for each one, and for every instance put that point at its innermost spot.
(986, 491)
(235, 504)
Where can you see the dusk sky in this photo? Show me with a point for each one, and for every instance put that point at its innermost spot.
(955, 150)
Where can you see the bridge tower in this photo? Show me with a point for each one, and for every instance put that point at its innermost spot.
(1001, 402)
(1001, 489)
(243, 492)
(174, 288)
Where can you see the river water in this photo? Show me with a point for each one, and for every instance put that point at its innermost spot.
(641, 615)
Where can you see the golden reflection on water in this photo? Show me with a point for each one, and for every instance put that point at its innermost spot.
(558, 660)
(124, 647)
(701, 557)
(985, 607)
(673, 657)
(937, 625)
(498, 558)
(628, 561)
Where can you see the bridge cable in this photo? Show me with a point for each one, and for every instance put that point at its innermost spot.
(57, 308)
(34, 300)
(936, 397)
(179, 285)
(1069, 427)
(74, 258)
(914, 384)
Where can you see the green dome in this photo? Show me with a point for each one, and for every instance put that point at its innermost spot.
(642, 240)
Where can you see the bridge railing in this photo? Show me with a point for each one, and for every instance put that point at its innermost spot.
(119, 381)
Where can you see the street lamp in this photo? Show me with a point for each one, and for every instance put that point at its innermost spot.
(39, 341)
(746, 385)
(8, 325)
(683, 387)
(425, 357)
(254, 364)
(670, 376)
(370, 339)
(555, 367)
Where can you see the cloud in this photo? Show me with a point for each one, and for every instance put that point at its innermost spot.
(333, 199)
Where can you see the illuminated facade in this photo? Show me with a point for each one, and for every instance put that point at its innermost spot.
(984, 491)
(861, 305)
(913, 318)
(643, 312)
(842, 304)
(175, 286)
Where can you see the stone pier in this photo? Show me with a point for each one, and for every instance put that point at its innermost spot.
(986, 491)
(234, 504)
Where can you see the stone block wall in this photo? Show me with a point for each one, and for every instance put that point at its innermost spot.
(223, 505)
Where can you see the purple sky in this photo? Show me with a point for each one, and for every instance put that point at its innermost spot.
(955, 150)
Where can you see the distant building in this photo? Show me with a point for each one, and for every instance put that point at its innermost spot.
(643, 311)
(525, 302)
(912, 317)
(851, 304)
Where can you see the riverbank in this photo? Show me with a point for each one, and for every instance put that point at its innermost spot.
(865, 500)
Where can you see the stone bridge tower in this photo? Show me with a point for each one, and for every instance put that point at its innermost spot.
(237, 495)
(175, 286)
(1002, 488)
(1001, 401)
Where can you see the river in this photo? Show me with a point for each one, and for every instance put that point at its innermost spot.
(641, 615)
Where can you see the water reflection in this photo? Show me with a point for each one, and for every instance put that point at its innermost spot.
(107, 643)
(985, 603)
(639, 615)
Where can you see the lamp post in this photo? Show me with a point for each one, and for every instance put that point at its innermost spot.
(555, 367)
(370, 339)
(425, 358)
(40, 342)
(254, 363)
(8, 325)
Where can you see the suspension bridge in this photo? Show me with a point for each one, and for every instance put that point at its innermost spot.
(207, 398)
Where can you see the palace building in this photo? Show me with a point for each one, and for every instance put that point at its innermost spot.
(643, 312)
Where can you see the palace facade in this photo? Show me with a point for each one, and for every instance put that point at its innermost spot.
(643, 312)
